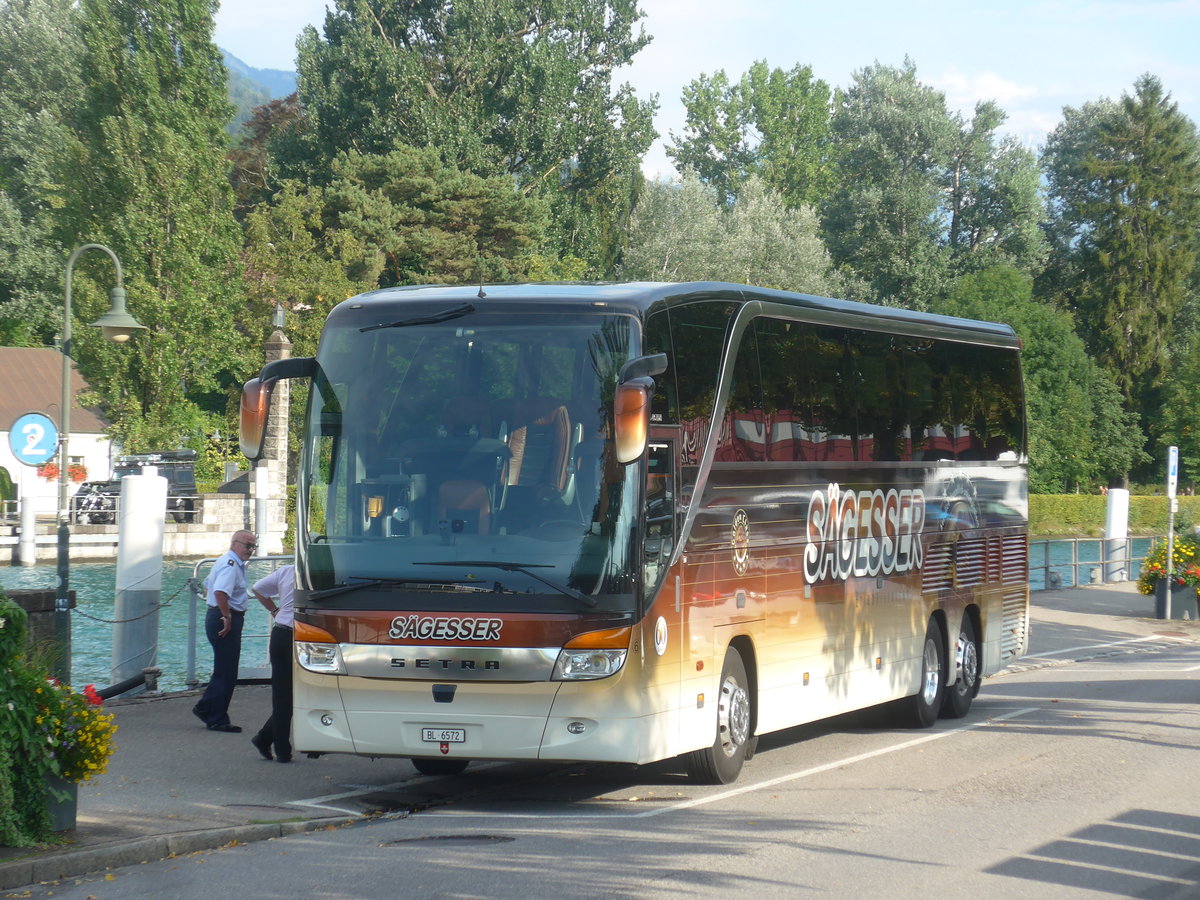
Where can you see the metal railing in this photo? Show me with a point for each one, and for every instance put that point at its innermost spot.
(1070, 562)
(198, 599)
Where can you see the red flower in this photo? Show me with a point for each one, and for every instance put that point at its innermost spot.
(92, 697)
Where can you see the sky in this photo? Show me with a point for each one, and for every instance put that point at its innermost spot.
(1032, 57)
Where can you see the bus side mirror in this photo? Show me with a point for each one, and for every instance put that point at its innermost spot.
(252, 424)
(631, 405)
(631, 418)
(256, 401)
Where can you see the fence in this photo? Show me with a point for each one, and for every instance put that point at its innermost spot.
(1069, 562)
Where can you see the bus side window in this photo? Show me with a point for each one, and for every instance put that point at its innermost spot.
(659, 540)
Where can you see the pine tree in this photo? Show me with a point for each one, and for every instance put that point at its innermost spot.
(1125, 188)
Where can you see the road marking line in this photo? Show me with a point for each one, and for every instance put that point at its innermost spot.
(735, 792)
(1137, 640)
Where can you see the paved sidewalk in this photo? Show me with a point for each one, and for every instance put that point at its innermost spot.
(173, 787)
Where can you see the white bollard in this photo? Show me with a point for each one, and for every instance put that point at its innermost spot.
(27, 543)
(139, 573)
(1116, 536)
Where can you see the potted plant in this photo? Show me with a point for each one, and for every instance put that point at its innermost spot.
(52, 737)
(1181, 588)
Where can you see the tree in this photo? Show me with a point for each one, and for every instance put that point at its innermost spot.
(429, 223)
(771, 124)
(251, 175)
(1078, 433)
(892, 137)
(153, 185)
(39, 89)
(994, 207)
(522, 88)
(683, 231)
(1124, 183)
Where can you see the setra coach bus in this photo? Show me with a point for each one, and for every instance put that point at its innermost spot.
(629, 522)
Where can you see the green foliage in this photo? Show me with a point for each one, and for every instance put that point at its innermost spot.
(771, 124)
(994, 210)
(153, 187)
(40, 87)
(1085, 514)
(23, 818)
(1079, 436)
(891, 139)
(522, 88)
(1124, 180)
(428, 223)
(682, 231)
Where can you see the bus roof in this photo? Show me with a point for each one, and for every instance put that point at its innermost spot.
(641, 298)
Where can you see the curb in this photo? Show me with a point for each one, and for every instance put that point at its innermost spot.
(50, 866)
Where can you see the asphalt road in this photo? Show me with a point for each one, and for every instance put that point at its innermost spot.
(1073, 776)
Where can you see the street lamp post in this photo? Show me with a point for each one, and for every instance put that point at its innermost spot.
(117, 325)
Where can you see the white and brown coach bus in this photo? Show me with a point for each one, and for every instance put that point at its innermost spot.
(629, 522)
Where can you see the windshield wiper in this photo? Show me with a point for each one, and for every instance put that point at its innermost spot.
(417, 583)
(453, 312)
(524, 569)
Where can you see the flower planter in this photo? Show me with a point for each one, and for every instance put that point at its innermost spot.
(1183, 601)
(62, 802)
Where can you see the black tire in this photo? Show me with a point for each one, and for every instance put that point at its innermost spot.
(430, 765)
(722, 762)
(922, 708)
(965, 658)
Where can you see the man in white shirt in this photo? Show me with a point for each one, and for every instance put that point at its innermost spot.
(227, 596)
(277, 730)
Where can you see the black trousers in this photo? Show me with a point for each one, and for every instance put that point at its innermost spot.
(278, 727)
(213, 707)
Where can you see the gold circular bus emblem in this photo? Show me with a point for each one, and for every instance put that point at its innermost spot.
(741, 542)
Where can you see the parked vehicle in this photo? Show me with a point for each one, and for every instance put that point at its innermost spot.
(96, 501)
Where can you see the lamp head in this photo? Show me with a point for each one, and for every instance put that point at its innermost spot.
(116, 324)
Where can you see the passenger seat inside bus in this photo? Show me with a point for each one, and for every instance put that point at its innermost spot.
(538, 468)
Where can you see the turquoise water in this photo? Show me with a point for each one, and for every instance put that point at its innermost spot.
(92, 626)
(94, 584)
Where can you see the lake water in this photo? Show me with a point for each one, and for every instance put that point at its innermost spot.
(92, 626)
(94, 585)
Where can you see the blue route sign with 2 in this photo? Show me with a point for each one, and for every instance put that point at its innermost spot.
(33, 439)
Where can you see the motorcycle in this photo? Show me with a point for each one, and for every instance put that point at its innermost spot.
(94, 508)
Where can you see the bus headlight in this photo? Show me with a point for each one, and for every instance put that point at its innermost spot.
(323, 658)
(580, 665)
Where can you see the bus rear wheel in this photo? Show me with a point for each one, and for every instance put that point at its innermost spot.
(966, 662)
(922, 708)
(429, 765)
(722, 762)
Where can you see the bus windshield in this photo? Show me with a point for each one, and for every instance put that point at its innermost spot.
(451, 457)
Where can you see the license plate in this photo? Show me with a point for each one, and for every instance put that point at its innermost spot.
(444, 735)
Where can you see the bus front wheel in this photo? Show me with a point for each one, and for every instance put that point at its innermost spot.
(429, 765)
(722, 762)
(922, 708)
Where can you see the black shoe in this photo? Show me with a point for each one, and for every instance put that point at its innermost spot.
(283, 759)
(262, 745)
(199, 715)
(227, 728)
